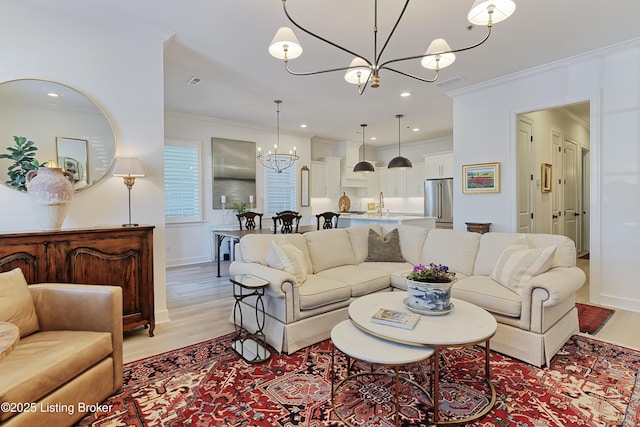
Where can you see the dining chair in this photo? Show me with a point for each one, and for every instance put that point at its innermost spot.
(249, 219)
(288, 220)
(330, 220)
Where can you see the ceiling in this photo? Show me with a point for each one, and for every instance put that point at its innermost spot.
(224, 42)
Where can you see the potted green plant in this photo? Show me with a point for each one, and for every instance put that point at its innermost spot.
(429, 288)
(239, 207)
(24, 160)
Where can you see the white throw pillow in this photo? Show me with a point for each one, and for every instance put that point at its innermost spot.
(286, 257)
(518, 264)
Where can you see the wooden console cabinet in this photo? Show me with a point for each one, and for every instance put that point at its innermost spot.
(121, 256)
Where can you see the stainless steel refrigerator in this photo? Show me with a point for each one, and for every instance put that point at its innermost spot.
(438, 200)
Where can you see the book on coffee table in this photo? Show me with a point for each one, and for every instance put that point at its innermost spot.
(399, 319)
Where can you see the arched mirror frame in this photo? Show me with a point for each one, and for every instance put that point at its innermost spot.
(72, 118)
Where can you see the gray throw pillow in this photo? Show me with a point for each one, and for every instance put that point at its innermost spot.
(384, 250)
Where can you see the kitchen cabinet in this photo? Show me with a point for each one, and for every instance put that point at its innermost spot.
(318, 181)
(439, 165)
(119, 256)
(415, 180)
(325, 177)
(396, 183)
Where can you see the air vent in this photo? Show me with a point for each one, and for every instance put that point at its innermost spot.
(194, 81)
(451, 81)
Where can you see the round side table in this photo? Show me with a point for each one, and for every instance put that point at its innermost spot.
(250, 346)
(357, 344)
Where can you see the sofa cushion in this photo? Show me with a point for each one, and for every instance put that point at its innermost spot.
(488, 294)
(491, 246)
(255, 247)
(455, 249)
(565, 255)
(329, 248)
(411, 240)
(384, 249)
(517, 265)
(359, 236)
(319, 291)
(44, 361)
(361, 280)
(286, 257)
(16, 303)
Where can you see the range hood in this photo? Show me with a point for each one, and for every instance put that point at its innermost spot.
(350, 153)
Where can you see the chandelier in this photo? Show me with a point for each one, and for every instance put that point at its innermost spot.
(274, 160)
(362, 71)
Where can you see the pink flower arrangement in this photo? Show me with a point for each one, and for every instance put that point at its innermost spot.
(434, 273)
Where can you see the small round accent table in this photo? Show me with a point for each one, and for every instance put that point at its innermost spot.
(251, 346)
(9, 337)
(359, 345)
(465, 325)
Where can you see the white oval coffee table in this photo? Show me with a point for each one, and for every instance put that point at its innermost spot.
(465, 325)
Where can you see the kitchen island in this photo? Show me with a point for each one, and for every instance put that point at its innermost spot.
(350, 220)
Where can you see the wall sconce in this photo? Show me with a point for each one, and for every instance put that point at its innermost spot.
(129, 169)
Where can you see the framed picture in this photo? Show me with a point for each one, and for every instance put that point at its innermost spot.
(546, 175)
(304, 186)
(481, 178)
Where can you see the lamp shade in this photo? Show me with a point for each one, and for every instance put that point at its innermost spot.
(437, 59)
(358, 72)
(128, 166)
(285, 38)
(479, 13)
(363, 167)
(399, 163)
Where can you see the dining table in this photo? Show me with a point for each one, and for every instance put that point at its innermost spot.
(236, 235)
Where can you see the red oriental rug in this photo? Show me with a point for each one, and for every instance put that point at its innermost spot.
(592, 318)
(589, 383)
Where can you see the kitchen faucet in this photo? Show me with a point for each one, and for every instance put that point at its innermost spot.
(380, 203)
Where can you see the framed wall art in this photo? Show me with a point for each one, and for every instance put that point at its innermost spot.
(547, 176)
(481, 178)
(234, 172)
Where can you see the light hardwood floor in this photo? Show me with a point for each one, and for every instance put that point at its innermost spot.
(199, 305)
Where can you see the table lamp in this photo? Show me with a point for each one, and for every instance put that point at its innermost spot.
(129, 169)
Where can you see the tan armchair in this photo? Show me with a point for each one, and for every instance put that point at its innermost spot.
(73, 360)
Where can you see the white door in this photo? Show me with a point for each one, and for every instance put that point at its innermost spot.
(524, 176)
(586, 201)
(557, 163)
(571, 206)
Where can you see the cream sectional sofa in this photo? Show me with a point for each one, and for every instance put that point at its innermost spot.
(305, 299)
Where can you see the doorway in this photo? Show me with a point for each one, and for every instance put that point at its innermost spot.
(555, 140)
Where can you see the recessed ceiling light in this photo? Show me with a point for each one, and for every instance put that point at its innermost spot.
(303, 125)
(373, 138)
(52, 94)
(415, 130)
(405, 94)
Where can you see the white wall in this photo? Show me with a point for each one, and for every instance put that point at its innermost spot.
(485, 118)
(192, 243)
(124, 75)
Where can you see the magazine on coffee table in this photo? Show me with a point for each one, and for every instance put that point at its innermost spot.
(399, 319)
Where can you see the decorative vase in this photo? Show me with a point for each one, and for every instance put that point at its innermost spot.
(51, 190)
(429, 296)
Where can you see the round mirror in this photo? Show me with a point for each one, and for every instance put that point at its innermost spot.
(43, 122)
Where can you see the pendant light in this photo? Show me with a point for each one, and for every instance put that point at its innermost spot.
(399, 162)
(363, 166)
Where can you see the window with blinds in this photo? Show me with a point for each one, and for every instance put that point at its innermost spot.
(281, 190)
(182, 182)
